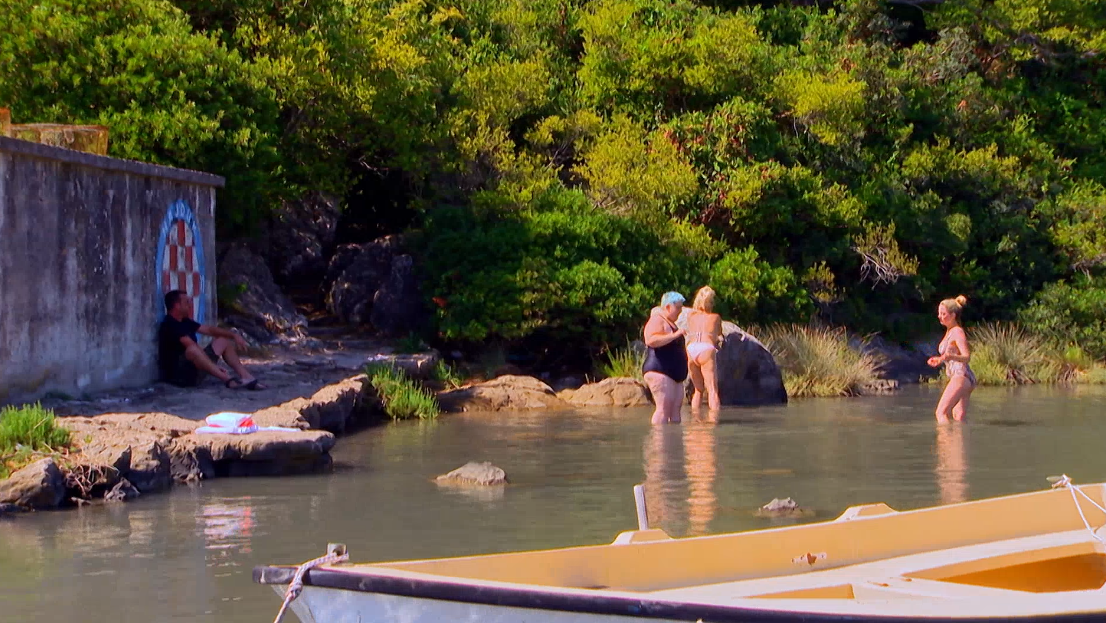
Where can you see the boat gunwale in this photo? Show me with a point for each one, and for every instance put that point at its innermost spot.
(604, 603)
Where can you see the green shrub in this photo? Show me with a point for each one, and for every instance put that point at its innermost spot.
(1006, 354)
(402, 397)
(623, 362)
(819, 361)
(25, 431)
(1071, 313)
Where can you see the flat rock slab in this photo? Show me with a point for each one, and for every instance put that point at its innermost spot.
(261, 446)
(505, 393)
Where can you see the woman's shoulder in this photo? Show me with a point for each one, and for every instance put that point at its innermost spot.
(958, 331)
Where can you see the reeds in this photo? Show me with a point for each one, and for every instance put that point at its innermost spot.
(623, 362)
(26, 432)
(1006, 354)
(820, 361)
(403, 397)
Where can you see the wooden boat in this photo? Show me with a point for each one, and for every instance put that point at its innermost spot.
(1037, 557)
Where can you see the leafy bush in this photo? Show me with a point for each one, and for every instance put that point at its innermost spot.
(25, 431)
(403, 398)
(819, 361)
(1070, 313)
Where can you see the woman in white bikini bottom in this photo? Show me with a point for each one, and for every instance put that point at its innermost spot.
(704, 336)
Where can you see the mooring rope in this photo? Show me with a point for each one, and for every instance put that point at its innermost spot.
(295, 587)
(1064, 482)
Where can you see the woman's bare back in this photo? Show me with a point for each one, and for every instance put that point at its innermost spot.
(704, 327)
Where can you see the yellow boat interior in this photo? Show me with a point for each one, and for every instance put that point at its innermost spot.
(1005, 548)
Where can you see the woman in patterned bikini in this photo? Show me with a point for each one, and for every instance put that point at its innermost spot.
(954, 354)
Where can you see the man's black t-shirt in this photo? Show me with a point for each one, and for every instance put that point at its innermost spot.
(169, 348)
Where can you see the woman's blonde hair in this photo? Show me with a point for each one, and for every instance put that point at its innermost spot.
(704, 299)
(956, 305)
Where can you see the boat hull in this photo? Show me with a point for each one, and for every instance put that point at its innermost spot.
(333, 596)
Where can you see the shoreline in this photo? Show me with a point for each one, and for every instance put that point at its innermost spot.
(133, 442)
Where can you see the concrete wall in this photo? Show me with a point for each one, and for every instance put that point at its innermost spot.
(88, 246)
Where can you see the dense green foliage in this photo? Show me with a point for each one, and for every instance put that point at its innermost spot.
(26, 431)
(402, 397)
(568, 160)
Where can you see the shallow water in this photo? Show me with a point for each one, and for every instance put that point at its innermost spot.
(188, 555)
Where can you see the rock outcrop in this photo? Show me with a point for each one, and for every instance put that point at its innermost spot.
(257, 306)
(615, 392)
(334, 408)
(398, 306)
(506, 393)
(297, 237)
(355, 274)
(40, 485)
(473, 473)
(747, 372)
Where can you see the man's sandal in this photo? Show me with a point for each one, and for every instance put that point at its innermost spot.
(234, 379)
(254, 386)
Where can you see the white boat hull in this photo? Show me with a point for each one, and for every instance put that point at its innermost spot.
(324, 605)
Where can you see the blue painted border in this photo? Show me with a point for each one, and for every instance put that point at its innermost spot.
(180, 211)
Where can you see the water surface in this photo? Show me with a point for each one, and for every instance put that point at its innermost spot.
(188, 555)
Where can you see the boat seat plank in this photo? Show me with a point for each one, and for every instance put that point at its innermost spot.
(1025, 549)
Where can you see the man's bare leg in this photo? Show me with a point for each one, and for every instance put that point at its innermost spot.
(203, 363)
(228, 350)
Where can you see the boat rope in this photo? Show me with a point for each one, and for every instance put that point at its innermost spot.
(1064, 482)
(295, 587)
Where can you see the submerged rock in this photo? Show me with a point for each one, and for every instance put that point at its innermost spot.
(9, 509)
(614, 392)
(473, 473)
(783, 508)
(506, 393)
(40, 485)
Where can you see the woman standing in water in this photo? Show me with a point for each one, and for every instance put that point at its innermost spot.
(953, 352)
(665, 367)
(704, 331)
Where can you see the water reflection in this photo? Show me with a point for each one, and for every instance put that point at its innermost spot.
(701, 468)
(227, 523)
(664, 466)
(952, 463)
(681, 467)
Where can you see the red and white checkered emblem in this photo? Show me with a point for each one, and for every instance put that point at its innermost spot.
(180, 269)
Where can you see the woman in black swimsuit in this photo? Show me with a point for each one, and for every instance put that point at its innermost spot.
(665, 367)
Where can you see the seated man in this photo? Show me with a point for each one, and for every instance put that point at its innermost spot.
(180, 358)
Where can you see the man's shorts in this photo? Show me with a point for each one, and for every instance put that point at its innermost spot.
(186, 374)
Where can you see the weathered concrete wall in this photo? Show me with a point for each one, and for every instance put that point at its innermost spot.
(88, 246)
